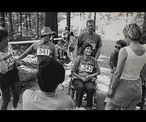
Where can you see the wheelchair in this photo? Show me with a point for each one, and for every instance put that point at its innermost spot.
(72, 93)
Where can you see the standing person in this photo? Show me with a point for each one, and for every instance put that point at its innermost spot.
(91, 37)
(126, 88)
(65, 34)
(85, 71)
(43, 48)
(9, 77)
(50, 74)
(61, 48)
(114, 58)
(72, 47)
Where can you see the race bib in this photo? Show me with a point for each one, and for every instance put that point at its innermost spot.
(9, 60)
(41, 51)
(86, 68)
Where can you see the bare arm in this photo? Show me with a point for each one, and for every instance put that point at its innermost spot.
(98, 53)
(98, 48)
(119, 69)
(25, 53)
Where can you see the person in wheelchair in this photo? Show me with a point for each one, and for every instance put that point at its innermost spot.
(85, 71)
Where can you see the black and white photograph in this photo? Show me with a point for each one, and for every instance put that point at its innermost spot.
(73, 61)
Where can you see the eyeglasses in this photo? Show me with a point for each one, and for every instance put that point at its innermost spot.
(117, 47)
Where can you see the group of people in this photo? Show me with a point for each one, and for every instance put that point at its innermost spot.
(126, 62)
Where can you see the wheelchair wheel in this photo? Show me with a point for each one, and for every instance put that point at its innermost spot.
(100, 97)
(94, 101)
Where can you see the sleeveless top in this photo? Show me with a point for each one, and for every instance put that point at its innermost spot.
(7, 60)
(133, 65)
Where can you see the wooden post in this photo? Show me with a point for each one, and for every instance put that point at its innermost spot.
(95, 20)
(68, 20)
(68, 23)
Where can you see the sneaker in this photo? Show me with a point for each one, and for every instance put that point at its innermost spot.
(80, 108)
(89, 108)
(14, 108)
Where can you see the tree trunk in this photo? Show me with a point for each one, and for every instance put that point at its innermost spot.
(10, 25)
(144, 30)
(21, 24)
(41, 22)
(26, 24)
(95, 20)
(68, 23)
(37, 27)
(2, 19)
(29, 20)
(127, 17)
(51, 21)
(68, 20)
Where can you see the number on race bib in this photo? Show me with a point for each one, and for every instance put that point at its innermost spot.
(41, 51)
(86, 68)
(9, 60)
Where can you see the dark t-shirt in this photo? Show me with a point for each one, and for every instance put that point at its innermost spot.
(94, 40)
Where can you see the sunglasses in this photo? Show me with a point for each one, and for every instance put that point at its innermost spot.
(117, 47)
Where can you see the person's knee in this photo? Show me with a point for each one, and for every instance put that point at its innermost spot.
(110, 106)
(78, 84)
(90, 87)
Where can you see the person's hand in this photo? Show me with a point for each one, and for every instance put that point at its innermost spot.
(17, 63)
(110, 93)
(83, 79)
(89, 78)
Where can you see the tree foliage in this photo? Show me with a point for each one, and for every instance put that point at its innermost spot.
(27, 25)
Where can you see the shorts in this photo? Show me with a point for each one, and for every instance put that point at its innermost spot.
(128, 93)
(9, 78)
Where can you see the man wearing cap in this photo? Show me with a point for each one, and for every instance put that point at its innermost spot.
(42, 48)
(90, 37)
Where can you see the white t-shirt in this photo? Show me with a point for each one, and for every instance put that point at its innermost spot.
(38, 100)
(7, 60)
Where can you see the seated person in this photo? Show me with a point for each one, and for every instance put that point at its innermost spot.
(50, 74)
(84, 71)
